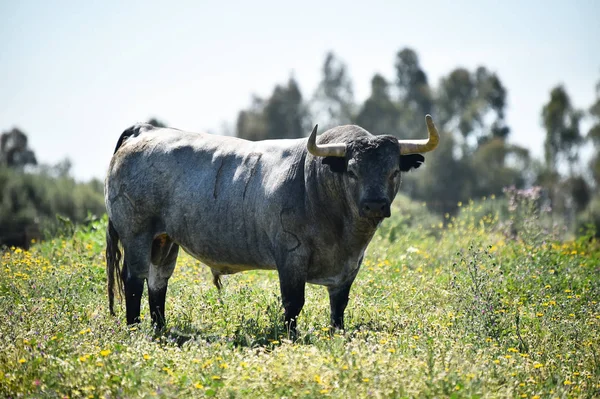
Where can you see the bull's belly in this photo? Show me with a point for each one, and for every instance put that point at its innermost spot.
(230, 264)
(332, 278)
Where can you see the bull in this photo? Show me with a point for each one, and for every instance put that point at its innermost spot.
(307, 208)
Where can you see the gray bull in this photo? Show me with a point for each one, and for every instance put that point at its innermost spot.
(304, 209)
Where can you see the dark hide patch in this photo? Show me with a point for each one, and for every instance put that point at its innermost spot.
(413, 161)
(336, 164)
(363, 144)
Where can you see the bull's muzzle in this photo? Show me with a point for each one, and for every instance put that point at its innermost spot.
(379, 208)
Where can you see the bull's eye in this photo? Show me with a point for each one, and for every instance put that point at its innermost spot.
(352, 175)
(395, 174)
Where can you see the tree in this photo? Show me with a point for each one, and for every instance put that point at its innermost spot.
(379, 114)
(591, 214)
(282, 115)
(14, 150)
(285, 112)
(156, 122)
(62, 168)
(579, 191)
(411, 80)
(445, 180)
(594, 136)
(455, 95)
(497, 165)
(251, 123)
(415, 98)
(465, 102)
(563, 137)
(333, 101)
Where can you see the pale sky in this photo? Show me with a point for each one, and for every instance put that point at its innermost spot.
(75, 74)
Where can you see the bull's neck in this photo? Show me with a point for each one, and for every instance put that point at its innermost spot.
(328, 204)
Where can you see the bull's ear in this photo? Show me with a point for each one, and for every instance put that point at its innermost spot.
(413, 161)
(336, 164)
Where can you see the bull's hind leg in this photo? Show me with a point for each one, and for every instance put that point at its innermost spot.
(164, 257)
(134, 272)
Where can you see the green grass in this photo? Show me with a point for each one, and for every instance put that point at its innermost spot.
(464, 310)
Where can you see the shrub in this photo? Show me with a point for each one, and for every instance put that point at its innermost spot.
(29, 204)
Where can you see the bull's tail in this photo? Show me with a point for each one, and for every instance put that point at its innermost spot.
(113, 266)
(132, 131)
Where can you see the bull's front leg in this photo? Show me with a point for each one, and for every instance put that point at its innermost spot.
(338, 298)
(292, 282)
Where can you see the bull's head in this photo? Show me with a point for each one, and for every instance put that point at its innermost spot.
(371, 166)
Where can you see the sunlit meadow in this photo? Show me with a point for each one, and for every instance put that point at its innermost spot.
(490, 303)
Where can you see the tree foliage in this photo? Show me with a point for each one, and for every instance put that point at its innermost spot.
(379, 114)
(415, 96)
(283, 115)
(333, 101)
(156, 122)
(15, 151)
(593, 135)
(466, 100)
(30, 201)
(561, 122)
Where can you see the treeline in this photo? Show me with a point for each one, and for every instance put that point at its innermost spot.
(35, 199)
(474, 159)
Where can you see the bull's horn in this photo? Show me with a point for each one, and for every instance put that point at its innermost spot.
(324, 150)
(424, 145)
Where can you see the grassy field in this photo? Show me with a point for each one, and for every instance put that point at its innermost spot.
(467, 307)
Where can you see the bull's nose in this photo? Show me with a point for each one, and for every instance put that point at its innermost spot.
(375, 209)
